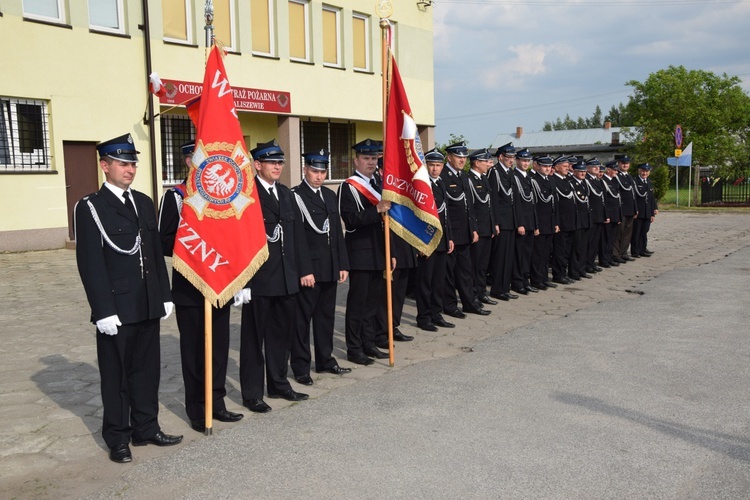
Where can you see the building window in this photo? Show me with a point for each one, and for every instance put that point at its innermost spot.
(331, 36)
(106, 15)
(299, 42)
(175, 131)
(262, 26)
(361, 41)
(338, 138)
(45, 10)
(176, 17)
(24, 135)
(224, 23)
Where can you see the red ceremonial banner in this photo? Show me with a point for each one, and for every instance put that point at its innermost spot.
(221, 240)
(406, 183)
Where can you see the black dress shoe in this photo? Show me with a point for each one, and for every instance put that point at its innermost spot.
(159, 439)
(522, 291)
(256, 405)
(532, 289)
(304, 380)
(635, 256)
(512, 295)
(456, 314)
(373, 352)
(121, 454)
(645, 255)
(335, 370)
(648, 252)
(500, 296)
(479, 311)
(382, 343)
(359, 359)
(598, 269)
(484, 299)
(443, 324)
(549, 284)
(591, 270)
(538, 286)
(428, 327)
(227, 416)
(401, 337)
(289, 395)
(587, 276)
(627, 259)
(198, 425)
(614, 263)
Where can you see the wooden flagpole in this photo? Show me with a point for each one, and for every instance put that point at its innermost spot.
(384, 9)
(208, 310)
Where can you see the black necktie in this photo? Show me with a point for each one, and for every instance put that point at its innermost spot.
(273, 195)
(374, 185)
(129, 203)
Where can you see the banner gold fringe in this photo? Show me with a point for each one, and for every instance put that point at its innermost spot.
(424, 217)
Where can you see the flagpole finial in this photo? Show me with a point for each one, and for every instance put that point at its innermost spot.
(208, 14)
(384, 9)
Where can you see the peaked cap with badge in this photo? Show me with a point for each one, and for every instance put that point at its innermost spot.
(269, 151)
(480, 154)
(369, 147)
(458, 149)
(318, 160)
(434, 155)
(506, 149)
(120, 148)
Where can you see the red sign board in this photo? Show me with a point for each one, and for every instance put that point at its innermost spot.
(246, 99)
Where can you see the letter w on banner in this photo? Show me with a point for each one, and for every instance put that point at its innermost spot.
(221, 240)
(406, 183)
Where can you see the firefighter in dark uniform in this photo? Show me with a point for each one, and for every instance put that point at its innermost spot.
(598, 215)
(580, 248)
(562, 242)
(189, 304)
(127, 286)
(483, 201)
(459, 273)
(270, 298)
(546, 216)
(431, 270)
(362, 209)
(645, 201)
(501, 183)
(325, 240)
(526, 224)
(629, 212)
(614, 212)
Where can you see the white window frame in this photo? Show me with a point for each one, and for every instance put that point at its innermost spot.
(20, 161)
(120, 20)
(368, 42)
(60, 19)
(232, 30)
(339, 53)
(271, 32)
(188, 26)
(306, 6)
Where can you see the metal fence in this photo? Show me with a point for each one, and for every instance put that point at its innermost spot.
(718, 191)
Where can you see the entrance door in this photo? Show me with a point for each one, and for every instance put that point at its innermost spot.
(81, 174)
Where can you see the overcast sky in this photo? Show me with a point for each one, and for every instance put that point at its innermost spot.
(501, 64)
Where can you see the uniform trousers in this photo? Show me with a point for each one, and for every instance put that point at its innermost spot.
(399, 286)
(595, 244)
(578, 253)
(502, 261)
(458, 276)
(366, 294)
(624, 234)
(430, 285)
(639, 240)
(129, 366)
(610, 235)
(524, 247)
(269, 321)
(480, 258)
(317, 303)
(540, 255)
(190, 322)
(561, 245)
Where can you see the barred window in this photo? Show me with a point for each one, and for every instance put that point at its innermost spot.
(338, 138)
(24, 135)
(175, 131)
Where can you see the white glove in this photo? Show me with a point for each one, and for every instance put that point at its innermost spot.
(109, 325)
(242, 297)
(168, 308)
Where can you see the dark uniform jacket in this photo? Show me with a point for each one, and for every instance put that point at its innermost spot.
(523, 204)
(365, 238)
(438, 191)
(612, 200)
(460, 209)
(581, 197)
(544, 203)
(502, 186)
(116, 283)
(627, 196)
(645, 201)
(596, 199)
(565, 203)
(288, 258)
(327, 251)
(481, 200)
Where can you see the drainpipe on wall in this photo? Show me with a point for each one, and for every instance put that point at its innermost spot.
(149, 118)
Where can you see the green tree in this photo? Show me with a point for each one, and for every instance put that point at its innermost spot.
(452, 139)
(714, 112)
